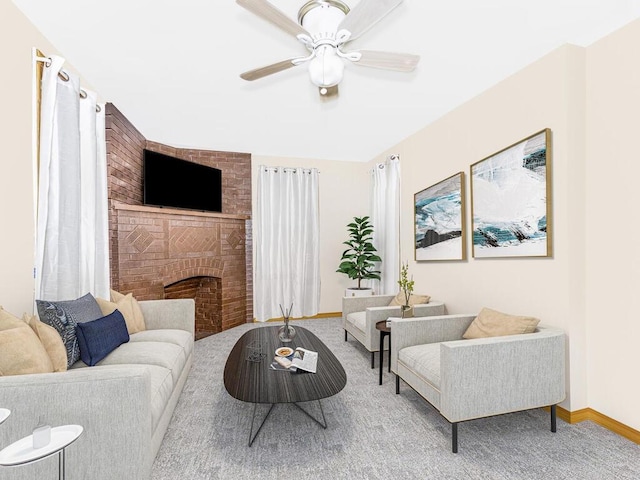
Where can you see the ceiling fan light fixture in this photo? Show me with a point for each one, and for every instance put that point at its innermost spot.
(326, 68)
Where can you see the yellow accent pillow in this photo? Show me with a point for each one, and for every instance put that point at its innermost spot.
(126, 304)
(137, 311)
(51, 341)
(399, 299)
(22, 351)
(8, 321)
(491, 323)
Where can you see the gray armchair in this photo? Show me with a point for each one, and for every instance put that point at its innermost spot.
(360, 315)
(469, 379)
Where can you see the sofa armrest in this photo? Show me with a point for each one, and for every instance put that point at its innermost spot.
(430, 309)
(110, 403)
(360, 304)
(406, 332)
(178, 314)
(491, 376)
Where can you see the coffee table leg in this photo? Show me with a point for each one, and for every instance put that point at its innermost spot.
(323, 424)
(252, 437)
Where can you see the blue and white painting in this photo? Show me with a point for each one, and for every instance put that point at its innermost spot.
(439, 212)
(510, 204)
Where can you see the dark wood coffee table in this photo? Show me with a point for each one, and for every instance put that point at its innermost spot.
(257, 382)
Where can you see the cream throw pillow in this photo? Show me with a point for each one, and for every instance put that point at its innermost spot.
(399, 299)
(21, 349)
(491, 323)
(125, 304)
(51, 341)
(8, 321)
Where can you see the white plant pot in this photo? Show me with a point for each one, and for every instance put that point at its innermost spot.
(354, 292)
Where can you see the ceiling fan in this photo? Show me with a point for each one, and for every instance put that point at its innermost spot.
(325, 27)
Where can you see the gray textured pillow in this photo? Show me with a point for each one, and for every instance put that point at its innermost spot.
(65, 315)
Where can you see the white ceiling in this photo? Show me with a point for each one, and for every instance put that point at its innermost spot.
(172, 67)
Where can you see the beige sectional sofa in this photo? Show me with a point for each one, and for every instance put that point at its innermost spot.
(124, 403)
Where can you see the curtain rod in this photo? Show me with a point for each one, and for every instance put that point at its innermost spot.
(288, 169)
(64, 76)
(381, 165)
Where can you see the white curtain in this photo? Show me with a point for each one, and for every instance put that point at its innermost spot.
(287, 263)
(385, 217)
(72, 255)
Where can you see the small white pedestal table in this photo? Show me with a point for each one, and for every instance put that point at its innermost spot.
(23, 453)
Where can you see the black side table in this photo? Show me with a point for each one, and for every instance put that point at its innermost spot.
(384, 331)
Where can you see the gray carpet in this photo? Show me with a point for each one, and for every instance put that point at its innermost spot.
(372, 432)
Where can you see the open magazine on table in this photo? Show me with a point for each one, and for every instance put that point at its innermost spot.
(300, 359)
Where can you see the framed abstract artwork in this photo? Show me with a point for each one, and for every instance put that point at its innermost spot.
(439, 220)
(511, 200)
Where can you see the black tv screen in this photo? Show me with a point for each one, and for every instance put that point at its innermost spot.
(172, 182)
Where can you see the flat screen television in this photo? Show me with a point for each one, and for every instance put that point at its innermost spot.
(171, 182)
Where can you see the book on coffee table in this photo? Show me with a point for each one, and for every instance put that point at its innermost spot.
(300, 359)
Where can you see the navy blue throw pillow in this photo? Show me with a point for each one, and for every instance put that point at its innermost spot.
(100, 337)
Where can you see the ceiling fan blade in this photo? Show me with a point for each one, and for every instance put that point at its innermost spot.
(257, 73)
(365, 15)
(267, 11)
(400, 62)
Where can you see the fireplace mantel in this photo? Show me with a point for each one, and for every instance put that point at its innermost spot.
(177, 211)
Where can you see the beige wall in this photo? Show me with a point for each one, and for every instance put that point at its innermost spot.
(18, 37)
(589, 98)
(344, 193)
(613, 260)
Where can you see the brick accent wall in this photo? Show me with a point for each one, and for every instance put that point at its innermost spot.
(169, 253)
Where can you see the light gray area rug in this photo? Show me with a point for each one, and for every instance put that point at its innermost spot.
(372, 433)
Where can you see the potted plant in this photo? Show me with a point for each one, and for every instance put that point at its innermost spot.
(357, 261)
(406, 286)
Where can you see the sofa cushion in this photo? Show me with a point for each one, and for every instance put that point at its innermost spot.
(424, 360)
(182, 338)
(161, 354)
(125, 304)
(65, 315)
(22, 352)
(491, 323)
(400, 299)
(50, 340)
(100, 337)
(358, 319)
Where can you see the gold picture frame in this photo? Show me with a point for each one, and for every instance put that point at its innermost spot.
(439, 221)
(511, 200)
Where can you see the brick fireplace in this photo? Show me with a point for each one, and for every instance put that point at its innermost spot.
(161, 253)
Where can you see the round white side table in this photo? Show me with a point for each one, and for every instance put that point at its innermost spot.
(4, 414)
(23, 453)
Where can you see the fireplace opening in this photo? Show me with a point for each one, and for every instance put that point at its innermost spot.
(207, 293)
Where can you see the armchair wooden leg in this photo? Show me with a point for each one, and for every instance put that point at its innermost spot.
(397, 384)
(373, 359)
(553, 418)
(454, 437)
(345, 335)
